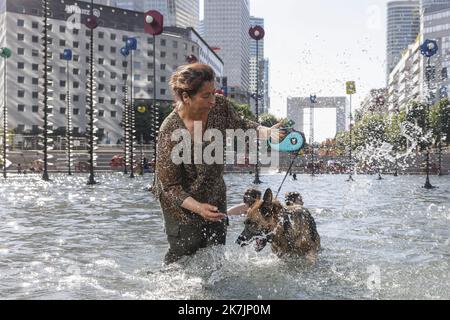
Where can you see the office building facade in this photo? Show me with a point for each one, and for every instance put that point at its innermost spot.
(21, 28)
(403, 26)
(226, 25)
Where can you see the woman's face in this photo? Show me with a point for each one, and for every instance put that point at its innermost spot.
(205, 99)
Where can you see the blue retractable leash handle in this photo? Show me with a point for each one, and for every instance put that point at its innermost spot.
(293, 142)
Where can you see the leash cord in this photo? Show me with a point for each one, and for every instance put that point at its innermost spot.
(287, 172)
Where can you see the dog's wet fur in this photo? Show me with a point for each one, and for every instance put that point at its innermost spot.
(290, 229)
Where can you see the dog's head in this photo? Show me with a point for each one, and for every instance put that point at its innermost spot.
(262, 219)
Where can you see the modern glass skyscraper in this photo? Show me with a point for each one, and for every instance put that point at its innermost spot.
(226, 25)
(403, 26)
(179, 13)
(428, 4)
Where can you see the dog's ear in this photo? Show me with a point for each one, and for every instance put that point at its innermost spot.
(267, 199)
(266, 207)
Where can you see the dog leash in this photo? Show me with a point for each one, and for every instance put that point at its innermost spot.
(292, 143)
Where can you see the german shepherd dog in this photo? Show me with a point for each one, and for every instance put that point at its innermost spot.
(290, 229)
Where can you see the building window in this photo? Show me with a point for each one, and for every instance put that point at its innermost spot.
(35, 95)
(76, 85)
(101, 60)
(76, 130)
(124, 76)
(88, 33)
(76, 71)
(113, 63)
(101, 100)
(113, 100)
(113, 88)
(62, 110)
(76, 31)
(35, 67)
(21, 93)
(62, 42)
(101, 74)
(101, 47)
(20, 65)
(113, 75)
(163, 66)
(76, 44)
(20, 23)
(34, 25)
(21, 108)
(101, 87)
(113, 36)
(34, 53)
(62, 69)
(20, 79)
(62, 29)
(76, 111)
(113, 49)
(175, 44)
(185, 46)
(149, 40)
(150, 53)
(113, 114)
(163, 79)
(20, 128)
(76, 98)
(35, 39)
(62, 83)
(137, 77)
(62, 97)
(150, 65)
(163, 42)
(76, 58)
(20, 51)
(163, 54)
(87, 46)
(20, 37)
(34, 109)
(175, 56)
(101, 113)
(163, 91)
(101, 34)
(35, 81)
(125, 64)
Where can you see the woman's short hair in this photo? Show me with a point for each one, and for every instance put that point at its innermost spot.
(251, 195)
(189, 78)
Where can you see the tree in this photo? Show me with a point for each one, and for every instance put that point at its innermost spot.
(268, 120)
(440, 121)
(243, 110)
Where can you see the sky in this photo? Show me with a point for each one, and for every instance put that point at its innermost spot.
(316, 46)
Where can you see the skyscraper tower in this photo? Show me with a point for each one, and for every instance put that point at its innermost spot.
(226, 25)
(256, 66)
(178, 13)
(403, 26)
(427, 4)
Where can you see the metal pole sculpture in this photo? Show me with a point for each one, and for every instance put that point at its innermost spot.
(91, 23)
(153, 24)
(47, 82)
(125, 117)
(443, 91)
(313, 99)
(428, 49)
(67, 55)
(257, 33)
(131, 44)
(351, 89)
(5, 53)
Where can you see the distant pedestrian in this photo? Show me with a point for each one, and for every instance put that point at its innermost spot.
(19, 169)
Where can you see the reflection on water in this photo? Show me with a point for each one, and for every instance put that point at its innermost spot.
(385, 239)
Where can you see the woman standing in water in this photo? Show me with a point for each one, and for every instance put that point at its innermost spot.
(193, 196)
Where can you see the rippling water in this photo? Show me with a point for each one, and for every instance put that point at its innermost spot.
(387, 239)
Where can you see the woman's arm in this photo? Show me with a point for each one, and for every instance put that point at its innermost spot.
(204, 210)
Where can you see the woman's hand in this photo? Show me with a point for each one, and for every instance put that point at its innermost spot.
(210, 213)
(277, 134)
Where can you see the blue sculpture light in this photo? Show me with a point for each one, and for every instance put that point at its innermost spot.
(429, 48)
(125, 51)
(131, 43)
(67, 55)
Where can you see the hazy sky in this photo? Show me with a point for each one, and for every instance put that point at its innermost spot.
(315, 46)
